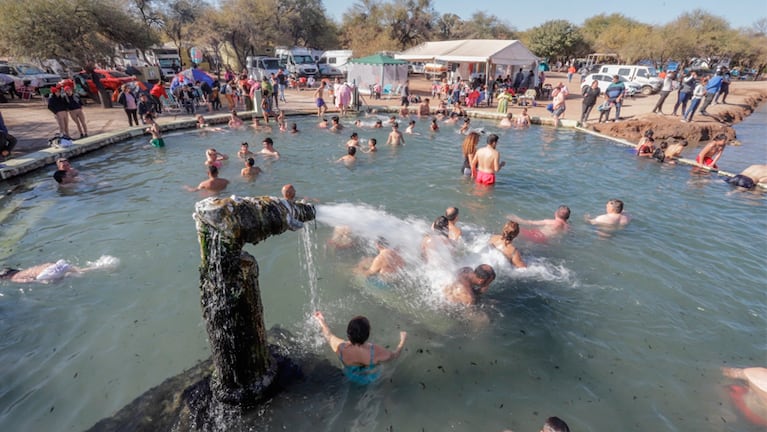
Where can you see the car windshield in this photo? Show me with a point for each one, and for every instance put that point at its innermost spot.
(166, 63)
(271, 63)
(29, 70)
(303, 59)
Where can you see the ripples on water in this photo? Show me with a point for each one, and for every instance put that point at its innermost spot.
(626, 331)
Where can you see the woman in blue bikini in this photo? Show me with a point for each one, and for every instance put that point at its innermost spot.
(360, 359)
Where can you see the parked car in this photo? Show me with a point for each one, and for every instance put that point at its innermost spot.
(30, 76)
(110, 79)
(632, 88)
(415, 67)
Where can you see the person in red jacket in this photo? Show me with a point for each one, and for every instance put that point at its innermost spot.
(157, 92)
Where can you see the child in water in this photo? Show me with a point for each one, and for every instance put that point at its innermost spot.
(154, 129)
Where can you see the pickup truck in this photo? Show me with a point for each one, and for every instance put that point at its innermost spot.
(30, 76)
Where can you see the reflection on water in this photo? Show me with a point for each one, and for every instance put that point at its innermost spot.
(626, 332)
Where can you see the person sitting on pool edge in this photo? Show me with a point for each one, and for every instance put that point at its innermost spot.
(750, 177)
(614, 216)
(360, 359)
(469, 284)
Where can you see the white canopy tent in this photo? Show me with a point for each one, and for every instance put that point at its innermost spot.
(480, 51)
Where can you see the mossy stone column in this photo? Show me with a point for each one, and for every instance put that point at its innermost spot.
(229, 290)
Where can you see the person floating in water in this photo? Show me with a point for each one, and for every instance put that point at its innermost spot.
(502, 242)
(750, 400)
(750, 177)
(360, 358)
(154, 130)
(50, 272)
(614, 218)
(548, 228)
(469, 284)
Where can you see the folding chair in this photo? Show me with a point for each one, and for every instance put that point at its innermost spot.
(387, 90)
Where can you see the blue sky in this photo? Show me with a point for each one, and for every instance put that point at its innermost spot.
(739, 13)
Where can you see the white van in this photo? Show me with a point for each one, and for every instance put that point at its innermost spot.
(261, 66)
(642, 75)
(334, 62)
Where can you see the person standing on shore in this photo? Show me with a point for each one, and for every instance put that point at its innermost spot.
(668, 86)
(685, 92)
(615, 92)
(697, 96)
(58, 105)
(486, 162)
(590, 97)
(724, 90)
(7, 141)
(128, 100)
(712, 88)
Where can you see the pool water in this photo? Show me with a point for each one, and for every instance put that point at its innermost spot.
(623, 331)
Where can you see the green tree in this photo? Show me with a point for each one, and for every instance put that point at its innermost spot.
(555, 38)
(410, 22)
(484, 26)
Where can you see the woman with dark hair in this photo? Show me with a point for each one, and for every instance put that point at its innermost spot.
(359, 357)
(502, 242)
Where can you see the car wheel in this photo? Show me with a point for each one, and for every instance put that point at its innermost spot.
(647, 90)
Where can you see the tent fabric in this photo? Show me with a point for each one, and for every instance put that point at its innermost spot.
(365, 74)
(495, 51)
(190, 76)
(377, 59)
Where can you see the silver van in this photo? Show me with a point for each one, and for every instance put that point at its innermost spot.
(645, 76)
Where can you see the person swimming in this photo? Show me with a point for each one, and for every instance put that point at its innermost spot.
(360, 359)
(51, 272)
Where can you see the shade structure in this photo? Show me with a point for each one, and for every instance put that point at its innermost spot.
(380, 69)
(492, 51)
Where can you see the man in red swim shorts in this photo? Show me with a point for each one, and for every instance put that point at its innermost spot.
(487, 162)
(711, 153)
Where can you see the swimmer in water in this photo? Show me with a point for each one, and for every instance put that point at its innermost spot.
(213, 182)
(234, 120)
(350, 156)
(323, 124)
(385, 265)
(470, 284)
(436, 244)
(750, 400)
(201, 121)
(506, 121)
(335, 124)
(288, 192)
(451, 214)
(214, 158)
(371, 146)
(353, 141)
(395, 136)
(244, 152)
(410, 127)
(44, 273)
(342, 238)
(465, 127)
(250, 170)
(502, 242)
(294, 128)
(378, 124)
(548, 228)
(434, 126)
(523, 120)
(154, 130)
(268, 149)
(360, 359)
(614, 218)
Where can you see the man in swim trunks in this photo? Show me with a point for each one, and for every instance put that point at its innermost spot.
(548, 228)
(487, 162)
(321, 107)
(250, 170)
(154, 129)
(614, 216)
(469, 284)
(711, 153)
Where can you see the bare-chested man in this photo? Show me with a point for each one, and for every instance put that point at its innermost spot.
(486, 162)
(614, 218)
(502, 242)
(711, 153)
(386, 264)
(268, 149)
(547, 228)
(469, 284)
(213, 183)
(321, 106)
(453, 232)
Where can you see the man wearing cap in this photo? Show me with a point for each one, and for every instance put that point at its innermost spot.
(7, 141)
(268, 149)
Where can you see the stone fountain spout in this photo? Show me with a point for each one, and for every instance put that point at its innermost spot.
(229, 290)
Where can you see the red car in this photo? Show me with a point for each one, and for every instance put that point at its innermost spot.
(110, 79)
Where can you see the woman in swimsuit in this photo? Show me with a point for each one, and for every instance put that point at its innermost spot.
(502, 242)
(469, 149)
(359, 358)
